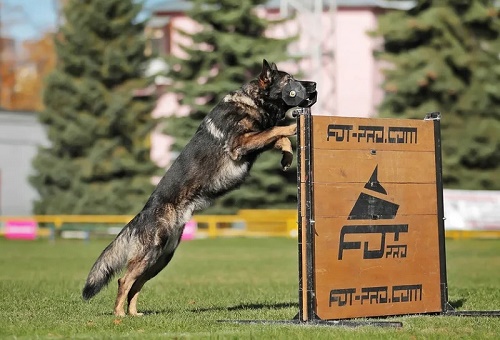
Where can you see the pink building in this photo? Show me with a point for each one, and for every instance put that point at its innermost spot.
(348, 76)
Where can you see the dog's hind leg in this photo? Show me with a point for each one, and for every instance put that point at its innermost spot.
(134, 270)
(133, 294)
(285, 146)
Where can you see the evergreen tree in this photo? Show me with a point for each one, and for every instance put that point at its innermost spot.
(444, 56)
(99, 158)
(226, 53)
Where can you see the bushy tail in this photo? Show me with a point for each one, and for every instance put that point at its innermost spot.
(109, 263)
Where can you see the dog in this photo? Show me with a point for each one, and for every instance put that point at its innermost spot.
(216, 160)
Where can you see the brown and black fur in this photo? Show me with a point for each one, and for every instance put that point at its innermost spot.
(215, 161)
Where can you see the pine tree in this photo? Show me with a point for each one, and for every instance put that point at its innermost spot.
(226, 53)
(98, 161)
(444, 56)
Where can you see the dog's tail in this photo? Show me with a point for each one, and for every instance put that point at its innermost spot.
(109, 263)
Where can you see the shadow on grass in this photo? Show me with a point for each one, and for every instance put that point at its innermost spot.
(457, 303)
(148, 312)
(249, 306)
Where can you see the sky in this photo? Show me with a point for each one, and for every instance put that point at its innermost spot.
(30, 19)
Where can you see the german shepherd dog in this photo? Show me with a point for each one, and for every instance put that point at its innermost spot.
(215, 161)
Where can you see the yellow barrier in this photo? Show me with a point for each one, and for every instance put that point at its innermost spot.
(58, 220)
(215, 224)
(468, 234)
(281, 222)
(253, 222)
(208, 225)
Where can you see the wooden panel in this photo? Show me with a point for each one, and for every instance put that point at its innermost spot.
(376, 244)
(342, 166)
(347, 133)
(374, 268)
(338, 200)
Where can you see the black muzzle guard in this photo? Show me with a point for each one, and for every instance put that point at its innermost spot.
(300, 93)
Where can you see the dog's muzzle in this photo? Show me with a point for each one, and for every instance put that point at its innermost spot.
(300, 93)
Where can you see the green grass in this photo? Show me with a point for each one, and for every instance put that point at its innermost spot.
(209, 280)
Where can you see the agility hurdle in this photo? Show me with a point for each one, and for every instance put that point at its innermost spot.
(370, 217)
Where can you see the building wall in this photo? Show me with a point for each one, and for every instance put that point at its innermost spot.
(357, 75)
(349, 83)
(20, 136)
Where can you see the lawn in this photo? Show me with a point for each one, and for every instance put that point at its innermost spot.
(210, 280)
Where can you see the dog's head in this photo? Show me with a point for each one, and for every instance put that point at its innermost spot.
(284, 91)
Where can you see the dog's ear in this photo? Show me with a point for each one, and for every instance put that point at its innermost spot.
(265, 74)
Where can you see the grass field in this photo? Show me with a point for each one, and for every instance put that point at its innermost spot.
(209, 280)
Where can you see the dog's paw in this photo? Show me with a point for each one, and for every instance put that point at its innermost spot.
(136, 314)
(291, 130)
(119, 313)
(286, 160)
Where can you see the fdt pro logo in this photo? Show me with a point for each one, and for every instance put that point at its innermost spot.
(369, 207)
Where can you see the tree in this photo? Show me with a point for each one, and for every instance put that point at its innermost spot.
(444, 56)
(39, 61)
(7, 72)
(99, 158)
(223, 55)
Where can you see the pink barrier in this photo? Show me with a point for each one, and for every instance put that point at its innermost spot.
(189, 231)
(21, 229)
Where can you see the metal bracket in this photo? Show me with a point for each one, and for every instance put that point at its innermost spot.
(433, 116)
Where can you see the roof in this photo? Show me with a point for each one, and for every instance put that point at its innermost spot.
(15, 115)
(157, 21)
(183, 5)
(172, 6)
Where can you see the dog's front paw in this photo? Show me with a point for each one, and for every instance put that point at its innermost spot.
(291, 130)
(286, 160)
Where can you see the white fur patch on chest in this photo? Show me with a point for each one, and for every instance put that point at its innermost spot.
(213, 130)
(229, 173)
(196, 204)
